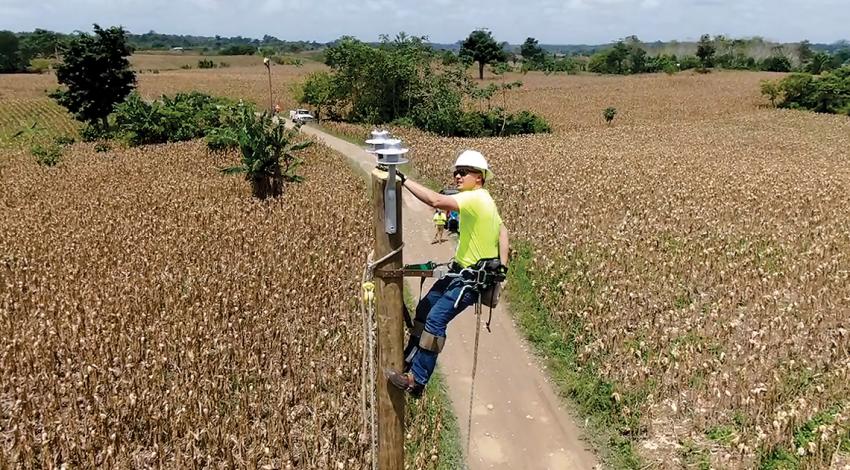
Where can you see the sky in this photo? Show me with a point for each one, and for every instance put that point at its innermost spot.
(446, 21)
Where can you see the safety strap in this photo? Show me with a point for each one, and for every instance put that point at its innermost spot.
(408, 321)
(418, 328)
(432, 343)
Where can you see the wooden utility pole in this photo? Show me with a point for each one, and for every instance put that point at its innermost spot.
(390, 337)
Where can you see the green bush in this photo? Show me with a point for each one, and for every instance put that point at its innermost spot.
(63, 140)
(498, 123)
(285, 60)
(221, 139)
(777, 63)
(94, 131)
(185, 116)
(47, 155)
(206, 64)
(689, 62)
(827, 93)
(101, 147)
(40, 65)
(239, 49)
(609, 113)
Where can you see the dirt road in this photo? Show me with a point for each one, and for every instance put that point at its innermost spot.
(518, 421)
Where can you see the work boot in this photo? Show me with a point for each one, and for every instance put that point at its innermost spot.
(405, 381)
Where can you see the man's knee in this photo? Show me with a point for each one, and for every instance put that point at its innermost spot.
(430, 342)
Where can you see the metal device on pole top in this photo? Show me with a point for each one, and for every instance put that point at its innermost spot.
(378, 140)
(390, 154)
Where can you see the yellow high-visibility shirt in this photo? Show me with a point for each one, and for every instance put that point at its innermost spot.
(440, 218)
(479, 227)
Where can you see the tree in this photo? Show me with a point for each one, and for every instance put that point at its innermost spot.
(482, 48)
(531, 51)
(776, 63)
(636, 55)
(820, 62)
(705, 50)
(804, 51)
(10, 54)
(97, 74)
(40, 43)
(318, 91)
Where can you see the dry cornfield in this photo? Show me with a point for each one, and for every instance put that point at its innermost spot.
(153, 314)
(702, 243)
(24, 100)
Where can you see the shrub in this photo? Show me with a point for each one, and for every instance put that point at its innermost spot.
(206, 64)
(828, 93)
(238, 49)
(63, 140)
(94, 131)
(47, 155)
(284, 60)
(526, 122)
(221, 139)
(771, 89)
(172, 119)
(40, 65)
(186, 67)
(498, 123)
(609, 113)
(689, 62)
(776, 63)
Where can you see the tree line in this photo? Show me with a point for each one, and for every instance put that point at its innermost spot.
(30, 51)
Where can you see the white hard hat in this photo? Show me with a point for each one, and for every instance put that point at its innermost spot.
(474, 159)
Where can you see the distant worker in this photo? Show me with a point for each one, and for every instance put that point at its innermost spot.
(439, 225)
(453, 222)
(482, 244)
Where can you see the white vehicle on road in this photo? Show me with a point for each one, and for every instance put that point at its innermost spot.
(300, 116)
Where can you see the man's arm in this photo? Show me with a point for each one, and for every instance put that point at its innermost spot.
(432, 198)
(504, 245)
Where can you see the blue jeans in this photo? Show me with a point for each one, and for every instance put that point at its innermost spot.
(436, 310)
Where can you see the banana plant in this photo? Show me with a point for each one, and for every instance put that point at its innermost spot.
(268, 153)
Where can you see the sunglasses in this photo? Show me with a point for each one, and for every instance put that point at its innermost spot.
(464, 171)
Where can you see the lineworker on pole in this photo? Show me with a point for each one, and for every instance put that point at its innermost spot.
(482, 244)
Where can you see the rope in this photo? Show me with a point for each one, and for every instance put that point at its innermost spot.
(367, 310)
(474, 368)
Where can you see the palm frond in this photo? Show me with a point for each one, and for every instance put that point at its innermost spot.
(234, 170)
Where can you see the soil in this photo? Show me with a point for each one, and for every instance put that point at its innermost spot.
(518, 421)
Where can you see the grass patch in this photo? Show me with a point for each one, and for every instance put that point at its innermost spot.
(695, 457)
(721, 434)
(592, 395)
(434, 440)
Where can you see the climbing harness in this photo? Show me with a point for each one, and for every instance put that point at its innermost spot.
(483, 278)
